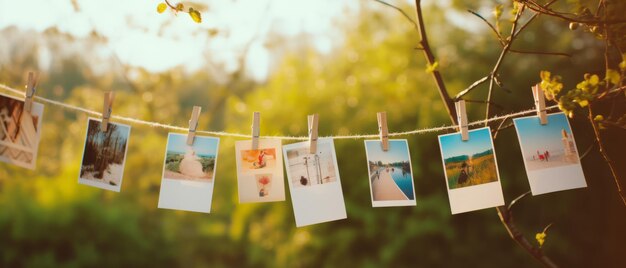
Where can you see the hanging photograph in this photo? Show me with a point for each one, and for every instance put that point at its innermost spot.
(314, 183)
(188, 173)
(550, 154)
(104, 155)
(471, 171)
(20, 132)
(390, 175)
(260, 175)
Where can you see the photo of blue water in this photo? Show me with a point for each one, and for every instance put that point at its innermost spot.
(404, 181)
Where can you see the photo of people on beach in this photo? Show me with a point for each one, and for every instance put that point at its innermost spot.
(104, 155)
(188, 173)
(471, 171)
(19, 132)
(550, 154)
(390, 175)
(260, 176)
(314, 182)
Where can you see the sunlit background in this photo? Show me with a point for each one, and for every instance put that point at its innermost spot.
(345, 60)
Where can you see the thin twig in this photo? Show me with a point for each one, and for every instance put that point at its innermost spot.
(510, 206)
(505, 49)
(500, 127)
(605, 155)
(540, 52)
(593, 144)
(485, 102)
(472, 86)
(495, 31)
(401, 11)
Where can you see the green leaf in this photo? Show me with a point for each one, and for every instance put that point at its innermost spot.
(195, 15)
(161, 7)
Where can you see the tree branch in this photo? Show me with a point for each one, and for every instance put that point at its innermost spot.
(545, 10)
(503, 212)
(496, 67)
(505, 215)
(484, 79)
(443, 93)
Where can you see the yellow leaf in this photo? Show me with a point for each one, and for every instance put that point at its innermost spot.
(594, 80)
(583, 103)
(432, 67)
(545, 75)
(613, 76)
(180, 7)
(598, 118)
(161, 7)
(195, 15)
(497, 11)
(541, 238)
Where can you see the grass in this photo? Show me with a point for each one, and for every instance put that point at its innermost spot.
(483, 171)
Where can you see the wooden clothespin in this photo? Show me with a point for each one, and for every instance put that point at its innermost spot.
(256, 129)
(540, 104)
(461, 117)
(193, 124)
(313, 123)
(383, 130)
(30, 91)
(109, 96)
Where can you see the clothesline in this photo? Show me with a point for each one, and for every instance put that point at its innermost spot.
(239, 135)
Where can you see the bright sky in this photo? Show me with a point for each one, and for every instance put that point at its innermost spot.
(535, 136)
(398, 151)
(479, 141)
(139, 36)
(201, 145)
(142, 37)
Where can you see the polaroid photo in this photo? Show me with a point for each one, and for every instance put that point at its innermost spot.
(314, 183)
(390, 174)
(260, 175)
(471, 171)
(550, 154)
(188, 173)
(20, 132)
(104, 155)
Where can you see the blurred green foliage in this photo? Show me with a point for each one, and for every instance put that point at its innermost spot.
(48, 220)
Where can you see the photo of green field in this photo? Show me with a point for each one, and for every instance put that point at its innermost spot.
(471, 162)
(480, 170)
